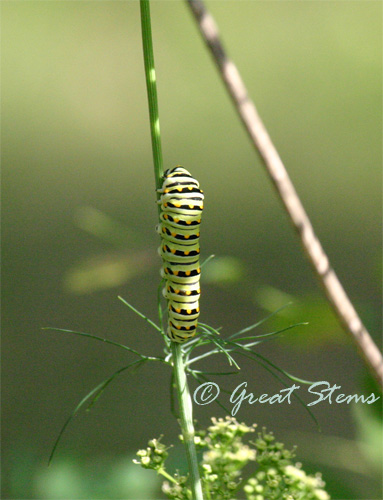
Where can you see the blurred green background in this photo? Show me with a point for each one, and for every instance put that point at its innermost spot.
(79, 217)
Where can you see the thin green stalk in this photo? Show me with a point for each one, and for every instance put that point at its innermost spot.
(186, 417)
(151, 86)
(167, 476)
(184, 399)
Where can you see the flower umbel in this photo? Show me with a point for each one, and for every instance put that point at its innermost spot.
(154, 456)
(274, 476)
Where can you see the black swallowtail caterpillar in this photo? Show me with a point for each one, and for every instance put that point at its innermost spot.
(181, 208)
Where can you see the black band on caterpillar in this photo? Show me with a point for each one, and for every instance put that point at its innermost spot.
(181, 208)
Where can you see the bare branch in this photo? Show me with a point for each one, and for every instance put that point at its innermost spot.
(260, 138)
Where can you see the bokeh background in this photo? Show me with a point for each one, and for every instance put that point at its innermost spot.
(79, 217)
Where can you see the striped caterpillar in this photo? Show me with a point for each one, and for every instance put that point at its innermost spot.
(181, 208)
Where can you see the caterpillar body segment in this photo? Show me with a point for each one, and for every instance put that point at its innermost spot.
(173, 219)
(184, 236)
(181, 204)
(181, 311)
(182, 293)
(179, 274)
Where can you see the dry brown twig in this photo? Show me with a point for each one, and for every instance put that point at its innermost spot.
(260, 138)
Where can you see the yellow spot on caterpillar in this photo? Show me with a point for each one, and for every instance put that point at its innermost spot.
(199, 221)
(178, 327)
(179, 190)
(178, 311)
(188, 311)
(186, 253)
(197, 310)
(191, 206)
(166, 190)
(175, 273)
(174, 235)
(166, 216)
(190, 188)
(165, 204)
(188, 222)
(201, 206)
(197, 235)
(188, 328)
(176, 291)
(173, 250)
(188, 273)
(197, 250)
(199, 290)
(176, 220)
(188, 292)
(198, 270)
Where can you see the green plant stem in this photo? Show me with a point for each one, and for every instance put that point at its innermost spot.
(186, 418)
(167, 476)
(184, 399)
(151, 86)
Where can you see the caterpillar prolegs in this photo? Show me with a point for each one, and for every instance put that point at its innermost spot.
(181, 209)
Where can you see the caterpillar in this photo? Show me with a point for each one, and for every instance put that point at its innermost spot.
(181, 203)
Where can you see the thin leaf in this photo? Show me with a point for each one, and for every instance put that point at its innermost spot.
(207, 260)
(226, 353)
(140, 314)
(269, 334)
(239, 348)
(250, 354)
(214, 373)
(284, 372)
(107, 382)
(101, 339)
(219, 345)
(249, 328)
(99, 387)
(201, 340)
(211, 328)
(215, 351)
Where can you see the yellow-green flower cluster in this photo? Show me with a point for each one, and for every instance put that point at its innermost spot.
(225, 455)
(177, 490)
(154, 456)
(291, 483)
(277, 478)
